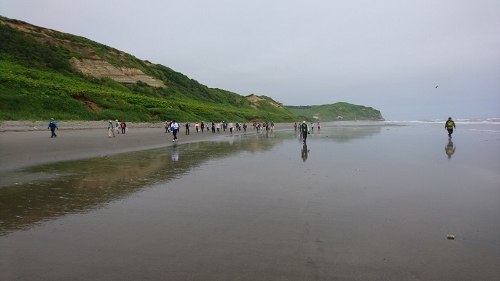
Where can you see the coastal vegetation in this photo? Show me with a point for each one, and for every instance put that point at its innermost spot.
(337, 111)
(46, 73)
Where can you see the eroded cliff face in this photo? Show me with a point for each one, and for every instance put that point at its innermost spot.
(254, 99)
(100, 69)
(91, 64)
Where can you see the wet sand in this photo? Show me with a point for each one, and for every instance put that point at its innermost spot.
(21, 149)
(362, 203)
(27, 143)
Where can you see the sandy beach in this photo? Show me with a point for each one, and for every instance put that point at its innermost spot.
(358, 201)
(25, 143)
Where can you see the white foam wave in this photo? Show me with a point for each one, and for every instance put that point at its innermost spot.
(475, 121)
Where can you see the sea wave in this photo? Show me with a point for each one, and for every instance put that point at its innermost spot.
(472, 121)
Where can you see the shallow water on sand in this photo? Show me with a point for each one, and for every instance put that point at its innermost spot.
(356, 203)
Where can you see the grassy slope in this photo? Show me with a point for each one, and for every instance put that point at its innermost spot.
(37, 82)
(330, 112)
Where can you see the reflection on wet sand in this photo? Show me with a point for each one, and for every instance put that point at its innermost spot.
(345, 134)
(450, 148)
(250, 208)
(304, 152)
(48, 191)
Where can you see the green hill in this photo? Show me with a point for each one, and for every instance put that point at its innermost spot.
(46, 73)
(337, 111)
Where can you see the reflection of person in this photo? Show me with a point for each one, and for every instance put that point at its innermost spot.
(450, 149)
(52, 126)
(449, 125)
(304, 152)
(304, 130)
(175, 153)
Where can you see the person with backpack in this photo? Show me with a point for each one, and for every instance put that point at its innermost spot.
(449, 125)
(174, 127)
(117, 127)
(304, 130)
(52, 126)
(111, 129)
(123, 126)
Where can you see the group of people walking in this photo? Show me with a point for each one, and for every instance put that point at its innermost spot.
(264, 126)
(173, 126)
(116, 128)
(215, 127)
(304, 129)
(298, 126)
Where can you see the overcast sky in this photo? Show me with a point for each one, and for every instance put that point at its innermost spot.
(389, 55)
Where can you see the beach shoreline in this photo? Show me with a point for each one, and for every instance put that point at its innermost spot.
(27, 143)
(29, 126)
(368, 199)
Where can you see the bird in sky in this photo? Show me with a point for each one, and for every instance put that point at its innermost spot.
(436, 87)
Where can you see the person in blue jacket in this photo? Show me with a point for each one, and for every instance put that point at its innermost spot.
(52, 126)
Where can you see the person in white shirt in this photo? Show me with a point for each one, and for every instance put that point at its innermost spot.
(175, 129)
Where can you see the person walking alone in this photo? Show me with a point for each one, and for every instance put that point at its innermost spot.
(304, 130)
(187, 128)
(449, 125)
(117, 127)
(123, 126)
(111, 129)
(175, 129)
(52, 126)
